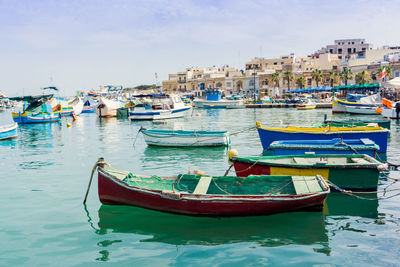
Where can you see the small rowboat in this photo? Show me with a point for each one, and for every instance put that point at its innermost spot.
(355, 172)
(306, 106)
(186, 138)
(199, 195)
(9, 131)
(334, 146)
(270, 134)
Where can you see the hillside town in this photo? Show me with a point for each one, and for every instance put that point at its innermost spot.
(347, 61)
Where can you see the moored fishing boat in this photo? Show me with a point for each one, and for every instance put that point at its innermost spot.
(214, 100)
(182, 138)
(377, 134)
(108, 107)
(89, 106)
(306, 106)
(333, 146)
(355, 172)
(37, 110)
(8, 131)
(199, 195)
(163, 107)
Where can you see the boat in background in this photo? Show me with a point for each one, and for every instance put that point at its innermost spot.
(341, 106)
(306, 106)
(9, 131)
(214, 100)
(336, 146)
(182, 138)
(354, 172)
(37, 110)
(162, 107)
(89, 106)
(199, 195)
(108, 107)
(377, 134)
(388, 110)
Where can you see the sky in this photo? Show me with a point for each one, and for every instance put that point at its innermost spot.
(82, 44)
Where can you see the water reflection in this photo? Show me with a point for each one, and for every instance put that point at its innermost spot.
(305, 228)
(338, 204)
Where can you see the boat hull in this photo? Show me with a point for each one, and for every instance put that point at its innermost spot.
(389, 113)
(159, 114)
(355, 178)
(361, 110)
(113, 191)
(89, 110)
(306, 107)
(208, 104)
(269, 135)
(185, 138)
(9, 131)
(28, 117)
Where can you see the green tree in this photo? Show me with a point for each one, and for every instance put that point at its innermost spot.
(276, 79)
(362, 77)
(288, 76)
(346, 75)
(316, 75)
(333, 77)
(301, 82)
(388, 70)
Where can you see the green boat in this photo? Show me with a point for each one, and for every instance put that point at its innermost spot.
(354, 172)
(355, 123)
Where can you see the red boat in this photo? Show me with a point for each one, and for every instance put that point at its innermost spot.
(200, 195)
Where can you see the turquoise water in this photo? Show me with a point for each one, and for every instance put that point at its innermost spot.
(44, 175)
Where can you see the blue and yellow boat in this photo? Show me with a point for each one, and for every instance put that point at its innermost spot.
(37, 110)
(377, 134)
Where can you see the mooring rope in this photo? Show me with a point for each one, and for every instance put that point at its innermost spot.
(354, 194)
(100, 162)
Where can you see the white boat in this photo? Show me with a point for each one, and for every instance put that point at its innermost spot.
(8, 131)
(361, 110)
(77, 105)
(108, 107)
(182, 138)
(163, 107)
(213, 100)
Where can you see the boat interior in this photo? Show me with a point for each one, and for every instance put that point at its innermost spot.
(226, 185)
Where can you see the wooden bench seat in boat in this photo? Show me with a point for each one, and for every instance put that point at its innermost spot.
(202, 185)
(305, 185)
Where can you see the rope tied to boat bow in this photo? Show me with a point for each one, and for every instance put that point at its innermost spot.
(99, 163)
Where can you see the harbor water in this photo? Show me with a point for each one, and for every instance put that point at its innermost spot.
(45, 172)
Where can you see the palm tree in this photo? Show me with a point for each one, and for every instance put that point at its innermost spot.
(316, 75)
(276, 79)
(333, 77)
(301, 82)
(288, 76)
(362, 77)
(346, 75)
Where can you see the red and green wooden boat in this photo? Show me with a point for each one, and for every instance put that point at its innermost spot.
(355, 172)
(199, 195)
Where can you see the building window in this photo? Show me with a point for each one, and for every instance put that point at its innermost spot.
(334, 67)
(331, 51)
(354, 50)
(339, 50)
(251, 82)
(352, 42)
